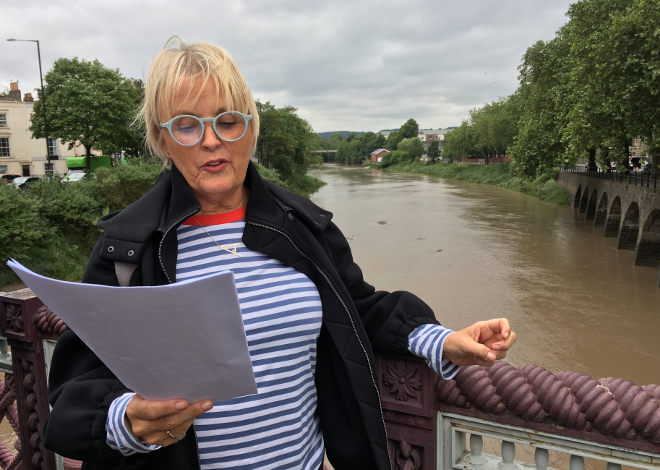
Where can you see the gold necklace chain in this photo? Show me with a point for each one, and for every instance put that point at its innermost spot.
(234, 246)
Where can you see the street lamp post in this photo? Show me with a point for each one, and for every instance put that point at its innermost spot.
(43, 97)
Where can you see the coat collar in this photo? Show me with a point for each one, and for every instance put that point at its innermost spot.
(171, 201)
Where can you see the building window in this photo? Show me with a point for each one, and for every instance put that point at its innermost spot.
(3, 120)
(3, 169)
(52, 147)
(4, 147)
(25, 170)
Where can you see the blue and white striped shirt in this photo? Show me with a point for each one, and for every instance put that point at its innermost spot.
(278, 427)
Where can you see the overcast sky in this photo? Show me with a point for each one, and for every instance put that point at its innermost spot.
(346, 65)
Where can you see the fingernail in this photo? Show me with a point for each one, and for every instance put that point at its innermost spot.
(180, 405)
(491, 356)
(207, 405)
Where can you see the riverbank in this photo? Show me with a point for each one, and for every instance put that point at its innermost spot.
(545, 189)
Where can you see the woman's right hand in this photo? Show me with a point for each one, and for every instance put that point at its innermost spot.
(163, 422)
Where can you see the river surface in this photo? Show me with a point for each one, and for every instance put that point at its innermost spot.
(475, 251)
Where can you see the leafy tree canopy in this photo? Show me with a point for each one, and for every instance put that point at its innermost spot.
(89, 103)
(285, 141)
(409, 129)
(413, 147)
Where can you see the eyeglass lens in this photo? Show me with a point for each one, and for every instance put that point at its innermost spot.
(187, 130)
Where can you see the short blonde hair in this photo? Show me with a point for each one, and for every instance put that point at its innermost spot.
(173, 72)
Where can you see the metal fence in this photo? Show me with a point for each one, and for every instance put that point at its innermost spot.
(636, 178)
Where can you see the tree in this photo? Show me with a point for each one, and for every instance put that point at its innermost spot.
(413, 147)
(459, 143)
(285, 141)
(393, 140)
(495, 126)
(539, 146)
(87, 103)
(134, 140)
(433, 151)
(409, 129)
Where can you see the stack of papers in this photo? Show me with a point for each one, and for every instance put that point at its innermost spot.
(183, 340)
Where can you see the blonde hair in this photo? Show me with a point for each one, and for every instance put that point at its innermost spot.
(172, 75)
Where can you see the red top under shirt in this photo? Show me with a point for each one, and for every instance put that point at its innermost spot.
(216, 219)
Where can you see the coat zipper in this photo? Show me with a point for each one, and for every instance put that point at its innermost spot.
(334, 289)
(162, 240)
(162, 266)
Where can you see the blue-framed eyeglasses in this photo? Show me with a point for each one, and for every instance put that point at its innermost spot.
(188, 130)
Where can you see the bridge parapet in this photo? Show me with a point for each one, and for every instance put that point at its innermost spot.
(428, 419)
(561, 417)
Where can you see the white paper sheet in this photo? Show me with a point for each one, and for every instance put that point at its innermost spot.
(183, 340)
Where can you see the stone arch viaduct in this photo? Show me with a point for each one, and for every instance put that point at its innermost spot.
(627, 208)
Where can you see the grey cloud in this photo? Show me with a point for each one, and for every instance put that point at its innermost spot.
(344, 64)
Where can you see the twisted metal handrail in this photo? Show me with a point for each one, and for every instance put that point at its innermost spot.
(608, 410)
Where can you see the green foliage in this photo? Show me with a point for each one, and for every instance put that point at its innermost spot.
(592, 88)
(543, 188)
(413, 147)
(409, 129)
(393, 158)
(89, 103)
(459, 142)
(20, 226)
(285, 142)
(433, 151)
(51, 226)
(392, 141)
(121, 185)
(355, 149)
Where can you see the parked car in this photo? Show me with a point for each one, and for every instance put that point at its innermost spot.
(75, 176)
(8, 177)
(22, 181)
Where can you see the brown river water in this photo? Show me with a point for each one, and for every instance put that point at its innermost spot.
(475, 251)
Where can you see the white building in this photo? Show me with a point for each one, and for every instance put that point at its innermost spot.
(19, 152)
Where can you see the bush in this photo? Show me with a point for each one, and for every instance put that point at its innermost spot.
(21, 228)
(120, 186)
(50, 227)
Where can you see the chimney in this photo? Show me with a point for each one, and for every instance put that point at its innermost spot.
(14, 92)
(28, 98)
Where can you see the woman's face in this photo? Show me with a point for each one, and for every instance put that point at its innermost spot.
(214, 169)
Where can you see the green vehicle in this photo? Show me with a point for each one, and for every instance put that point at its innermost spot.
(79, 163)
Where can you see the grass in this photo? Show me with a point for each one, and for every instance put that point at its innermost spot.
(543, 188)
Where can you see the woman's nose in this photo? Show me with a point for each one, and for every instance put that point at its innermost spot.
(210, 139)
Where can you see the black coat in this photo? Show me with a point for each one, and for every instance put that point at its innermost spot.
(280, 224)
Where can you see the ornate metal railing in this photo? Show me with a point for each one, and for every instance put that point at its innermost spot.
(636, 178)
(432, 423)
(568, 414)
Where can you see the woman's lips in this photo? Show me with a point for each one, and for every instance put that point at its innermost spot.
(215, 165)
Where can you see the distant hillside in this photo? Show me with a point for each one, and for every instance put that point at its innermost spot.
(344, 134)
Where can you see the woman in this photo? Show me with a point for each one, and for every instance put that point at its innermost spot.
(311, 320)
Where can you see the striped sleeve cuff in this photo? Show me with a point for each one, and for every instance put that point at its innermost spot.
(427, 341)
(118, 433)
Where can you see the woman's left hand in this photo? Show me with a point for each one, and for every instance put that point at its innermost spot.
(480, 343)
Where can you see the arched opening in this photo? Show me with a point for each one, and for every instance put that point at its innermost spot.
(630, 228)
(578, 196)
(584, 201)
(601, 211)
(591, 205)
(613, 218)
(648, 251)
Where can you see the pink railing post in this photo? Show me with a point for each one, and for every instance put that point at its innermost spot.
(18, 310)
(408, 399)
